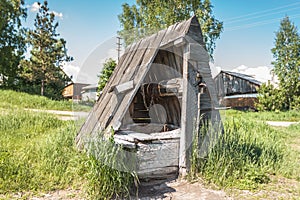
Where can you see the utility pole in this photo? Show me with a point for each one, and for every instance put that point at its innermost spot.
(119, 47)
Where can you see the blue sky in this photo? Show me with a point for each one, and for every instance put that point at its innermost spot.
(90, 28)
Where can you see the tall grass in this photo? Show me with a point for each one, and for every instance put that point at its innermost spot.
(37, 153)
(11, 99)
(244, 155)
(110, 174)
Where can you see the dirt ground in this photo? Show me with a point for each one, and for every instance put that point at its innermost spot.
(181, 190)
(173, 190)
(279, 188)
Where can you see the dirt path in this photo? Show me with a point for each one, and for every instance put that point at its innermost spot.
(280, 123)
(63, 115)
(181, 190)
(175, 190)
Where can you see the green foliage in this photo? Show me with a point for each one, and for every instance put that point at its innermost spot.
(244, 156)
(147, 17)
(108, 69)
(47, 55)
(12, 44)
(270, 98)
(287, 68)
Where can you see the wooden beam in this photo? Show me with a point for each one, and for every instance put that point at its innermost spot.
(179, 42)
(124, 87)
(197, 53)
(189, 110)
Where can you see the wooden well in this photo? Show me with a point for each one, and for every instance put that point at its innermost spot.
(154, 100)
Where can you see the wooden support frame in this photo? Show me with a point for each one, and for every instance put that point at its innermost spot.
(193, 58)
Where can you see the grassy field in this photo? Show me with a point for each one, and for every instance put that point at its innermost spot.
(290, 116)
(11, 100)
(37, 154)
(253, 156)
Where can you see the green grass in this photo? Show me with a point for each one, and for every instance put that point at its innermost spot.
(38, 155)
(250, 152)
(11, 99)
(292, 115)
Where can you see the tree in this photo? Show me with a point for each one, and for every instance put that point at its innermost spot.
(286, 63)
(108, 69)
(150, 15)
(12, 45)
(47, 55)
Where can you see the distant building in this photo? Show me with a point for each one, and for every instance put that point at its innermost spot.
(89, 93)
(73, 91)
(236, 90)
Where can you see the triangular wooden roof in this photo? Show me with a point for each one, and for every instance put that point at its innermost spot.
(130, 72)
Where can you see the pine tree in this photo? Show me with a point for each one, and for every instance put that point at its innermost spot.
(287, 62)
(148, 16)
(47, 54)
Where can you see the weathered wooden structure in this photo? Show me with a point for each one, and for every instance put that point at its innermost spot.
(158, 96)
(73, 91)
(236, 90)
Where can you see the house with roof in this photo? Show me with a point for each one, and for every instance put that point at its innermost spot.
(73, 91)
(237, 90)
(89, 93)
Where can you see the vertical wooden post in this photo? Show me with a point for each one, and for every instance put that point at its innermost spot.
(189, 110)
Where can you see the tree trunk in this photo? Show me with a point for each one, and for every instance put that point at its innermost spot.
(42, 87)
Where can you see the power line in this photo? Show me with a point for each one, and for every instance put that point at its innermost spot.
(260, 12)
(259, 16)
(250, 25)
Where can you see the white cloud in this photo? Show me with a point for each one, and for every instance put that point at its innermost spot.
(35, 7)
(261, 73)
(57, 14)
(71, 70)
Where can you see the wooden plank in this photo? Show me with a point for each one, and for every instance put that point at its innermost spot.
(95, 116)
(124, 143)
(179, 42)
(127, 73)
(197, 53)
(145, 65)
(175, 134)
(124, 87)
(158, 173)
(157, 155)
(189, 110)
(133, 66)
(106, 117)
(125, 137)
